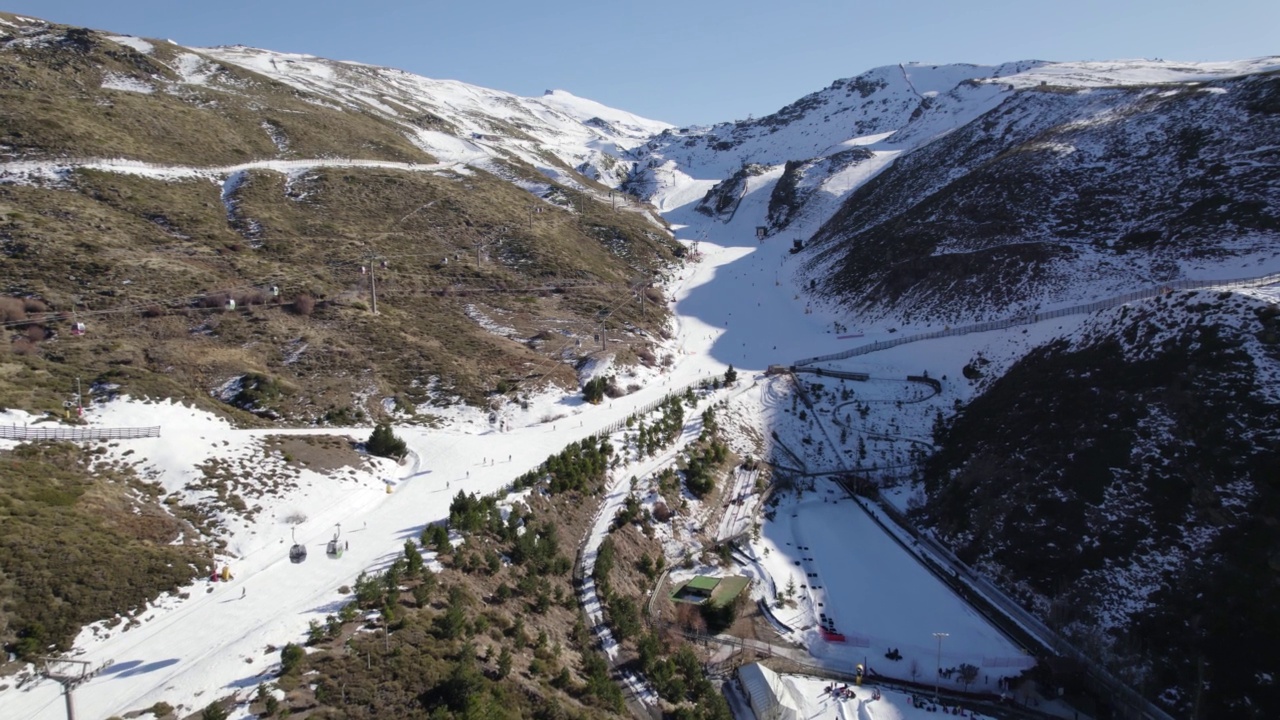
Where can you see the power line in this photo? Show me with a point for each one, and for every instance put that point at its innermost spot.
(554, 357)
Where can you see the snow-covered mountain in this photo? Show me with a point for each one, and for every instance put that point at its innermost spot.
(455, 121)
(451, 121)
(1062, 195)
(1116, 479)
(809, 158)
(931, 193)
(298, 161)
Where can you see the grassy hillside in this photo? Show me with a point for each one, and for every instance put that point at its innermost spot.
(80, 542)
(485, 292)
(146, 262)
(51, 85)
(480, 284)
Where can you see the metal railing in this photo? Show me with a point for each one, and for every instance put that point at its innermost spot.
(22, 432)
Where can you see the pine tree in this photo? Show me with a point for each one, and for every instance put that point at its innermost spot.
(413, 558)
(384, 443)
(504, 663)
(593, 391)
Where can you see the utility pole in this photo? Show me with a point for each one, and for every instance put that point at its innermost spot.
(937, 676)
(70, 677)
(373, 281)
(639, 291)
(485, 239)
(373, 257)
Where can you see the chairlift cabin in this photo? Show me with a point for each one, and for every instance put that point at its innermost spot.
(78, 328)
(230, 304)
(297, 552)
(335, 548)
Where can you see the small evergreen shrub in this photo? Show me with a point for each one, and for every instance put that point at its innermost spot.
(384, 443)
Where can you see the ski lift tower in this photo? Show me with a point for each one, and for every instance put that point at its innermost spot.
(70, 674)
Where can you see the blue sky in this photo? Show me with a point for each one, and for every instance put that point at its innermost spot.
(689, 61)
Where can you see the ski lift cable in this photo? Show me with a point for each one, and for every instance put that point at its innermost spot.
(130, 308)
(273, 281)
(540, 369)
(273, 285)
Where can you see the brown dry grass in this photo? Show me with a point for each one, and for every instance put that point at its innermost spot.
(106, 240)
(322, 453)
(73, 115)
(111, 242)
(83, 540)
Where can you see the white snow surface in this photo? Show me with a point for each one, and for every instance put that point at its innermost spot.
(816, 703)
(1135, 72)
(878, 596)
(136, 43)
(126, 83)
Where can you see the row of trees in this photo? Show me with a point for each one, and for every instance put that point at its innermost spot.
(581, 466)
(649, 439)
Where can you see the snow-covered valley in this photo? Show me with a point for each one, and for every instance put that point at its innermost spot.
(865, 386)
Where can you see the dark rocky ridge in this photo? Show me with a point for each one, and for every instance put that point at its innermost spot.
(1007, 212)
(1125, 487)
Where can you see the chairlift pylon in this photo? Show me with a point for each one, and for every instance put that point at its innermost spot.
(297, 552)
